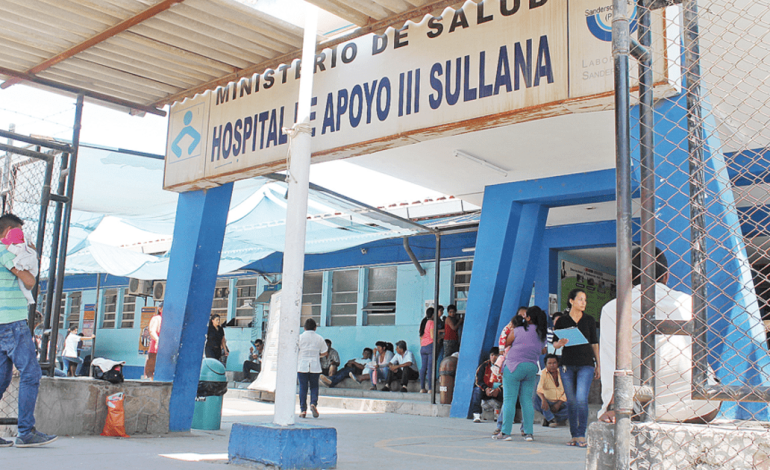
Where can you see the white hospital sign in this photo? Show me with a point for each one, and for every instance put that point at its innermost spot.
(485, 65)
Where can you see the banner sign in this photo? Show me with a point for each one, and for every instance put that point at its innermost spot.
(89, 317)
(468, 69)
(599, 286)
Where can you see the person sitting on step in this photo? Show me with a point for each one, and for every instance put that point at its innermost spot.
(331, 362)
(485, 388)
(402, 368)
(549, 397)
(351, 367)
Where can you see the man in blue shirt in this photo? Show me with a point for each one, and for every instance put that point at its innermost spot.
(16, 345)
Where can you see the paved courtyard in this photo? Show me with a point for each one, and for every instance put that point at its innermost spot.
(365, 440)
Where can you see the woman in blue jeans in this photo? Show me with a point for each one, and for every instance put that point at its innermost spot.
(426, 351)
(527, 341)
(579, 365)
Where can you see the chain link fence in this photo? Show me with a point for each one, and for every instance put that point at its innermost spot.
(701, 295)
(23, 185)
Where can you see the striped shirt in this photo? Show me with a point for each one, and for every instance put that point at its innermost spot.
(13, 304)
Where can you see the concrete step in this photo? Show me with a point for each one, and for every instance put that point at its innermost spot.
(379, 402)
(376, 394)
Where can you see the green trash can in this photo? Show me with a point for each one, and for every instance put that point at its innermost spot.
(208, 401)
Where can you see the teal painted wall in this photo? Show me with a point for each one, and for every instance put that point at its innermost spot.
(412, 291)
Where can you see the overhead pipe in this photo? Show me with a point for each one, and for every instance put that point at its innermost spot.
(412, 257)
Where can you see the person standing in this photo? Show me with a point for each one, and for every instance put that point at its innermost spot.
(312, 348)
(520, 371)
(579, 365)
(69, 356)
(16, 345)
(426, 350)
(216, 344)
(451, 331)
(152, 352)
(673, 373)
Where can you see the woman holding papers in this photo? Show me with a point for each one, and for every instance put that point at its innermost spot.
(579, 362)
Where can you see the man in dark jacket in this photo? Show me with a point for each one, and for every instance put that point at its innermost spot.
(484, 388)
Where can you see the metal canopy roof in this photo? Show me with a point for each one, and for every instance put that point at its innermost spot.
(143, 54)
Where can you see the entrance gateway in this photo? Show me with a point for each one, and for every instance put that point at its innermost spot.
(483, 66)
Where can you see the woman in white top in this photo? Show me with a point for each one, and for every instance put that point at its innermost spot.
(311, 348)
(69, 356)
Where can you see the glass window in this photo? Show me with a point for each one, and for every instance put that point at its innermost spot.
(344, 298)
(246, 294)
(312, 293)
(462, 284)
(129, 309)
(110, 308)
(73, 316)
(381, 306)
(221, 294)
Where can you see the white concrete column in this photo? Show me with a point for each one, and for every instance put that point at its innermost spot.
(296, 217)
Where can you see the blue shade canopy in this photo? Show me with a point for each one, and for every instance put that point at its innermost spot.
(127, 187)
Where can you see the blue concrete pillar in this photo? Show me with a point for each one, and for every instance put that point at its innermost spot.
(199, 230)
(508, 244)
(491, 265)
(736, 337)
(546, 280)
(526, 250)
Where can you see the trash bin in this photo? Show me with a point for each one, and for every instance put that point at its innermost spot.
(208, 401)
(447, 379)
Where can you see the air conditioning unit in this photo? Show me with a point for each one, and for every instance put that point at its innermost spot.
(139, 287)
(158, 290)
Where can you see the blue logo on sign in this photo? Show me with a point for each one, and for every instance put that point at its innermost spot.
(600, 24)
(186, 130)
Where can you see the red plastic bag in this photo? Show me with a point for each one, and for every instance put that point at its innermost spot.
(115, 425)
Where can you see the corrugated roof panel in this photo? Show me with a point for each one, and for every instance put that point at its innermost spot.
(142, 48)
(152, 52)
(129, 65)
(97, 85)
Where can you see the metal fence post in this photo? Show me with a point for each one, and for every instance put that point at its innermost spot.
(624, 386)
(647, 176)
(695, 144)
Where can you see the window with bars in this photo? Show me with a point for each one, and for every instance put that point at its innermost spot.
(344, 298)
(110, 307)
(73, 316)
(129, 311)
(462, 284)
(221, 295)
(381, 297)
(312, 293)
(245, 295)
